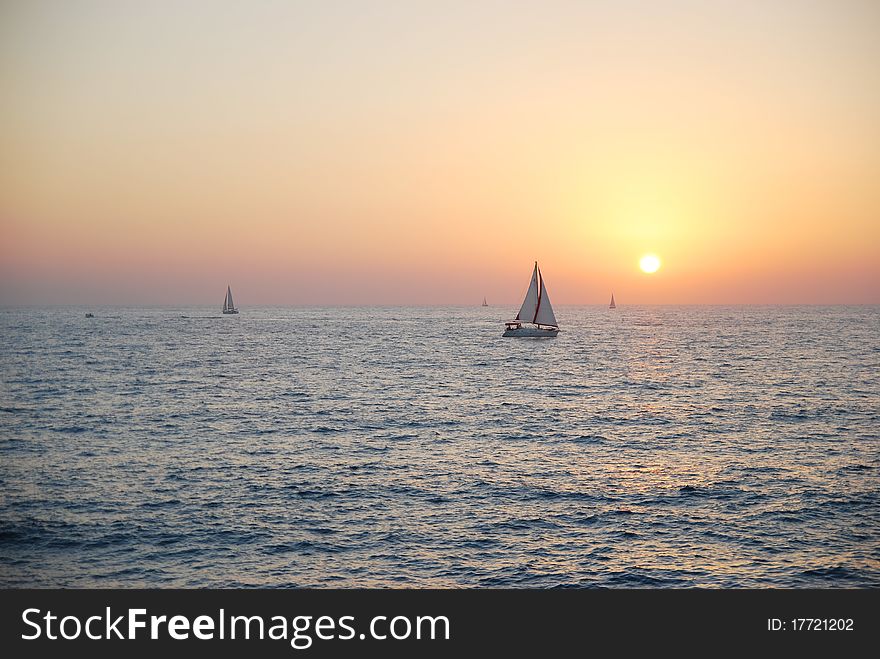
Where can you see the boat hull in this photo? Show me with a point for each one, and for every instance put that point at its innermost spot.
(532, 332)
(228, 311)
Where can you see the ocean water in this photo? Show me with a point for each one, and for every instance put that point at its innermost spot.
(392, 447)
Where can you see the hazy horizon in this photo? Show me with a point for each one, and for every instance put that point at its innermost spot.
(440, 305)
(401, 153)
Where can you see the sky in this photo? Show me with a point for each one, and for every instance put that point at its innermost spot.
(429, 152)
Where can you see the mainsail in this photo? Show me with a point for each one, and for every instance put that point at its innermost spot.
(612, 305)
(530, 305)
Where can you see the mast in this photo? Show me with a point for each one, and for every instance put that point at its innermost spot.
(540, 290)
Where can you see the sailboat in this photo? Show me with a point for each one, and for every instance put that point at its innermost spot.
(612, 305)
(228, 306)
(535, 317)
(485, 304)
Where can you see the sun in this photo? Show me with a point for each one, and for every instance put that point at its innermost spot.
(650, 263)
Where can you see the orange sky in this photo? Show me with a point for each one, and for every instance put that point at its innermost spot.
(422, 153)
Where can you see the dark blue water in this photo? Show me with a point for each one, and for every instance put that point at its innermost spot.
(647, 447)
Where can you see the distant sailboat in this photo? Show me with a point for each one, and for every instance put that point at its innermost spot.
(228, 305)
(536, 312)
(485, 304)
(612, 305)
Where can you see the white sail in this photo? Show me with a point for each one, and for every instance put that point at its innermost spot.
(530, 303)
(544, 313)
(228, 305)
(612, 305)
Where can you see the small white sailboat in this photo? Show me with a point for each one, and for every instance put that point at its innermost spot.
(612, 305)
(485, 304)
(535, 317)
(228, 305)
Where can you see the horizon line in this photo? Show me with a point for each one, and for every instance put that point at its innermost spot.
(5, 305)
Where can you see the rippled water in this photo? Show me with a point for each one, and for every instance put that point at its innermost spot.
(647, 446)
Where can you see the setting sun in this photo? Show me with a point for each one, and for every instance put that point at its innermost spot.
(650, 263)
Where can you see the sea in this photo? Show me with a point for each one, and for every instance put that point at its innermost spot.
(645, 447)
